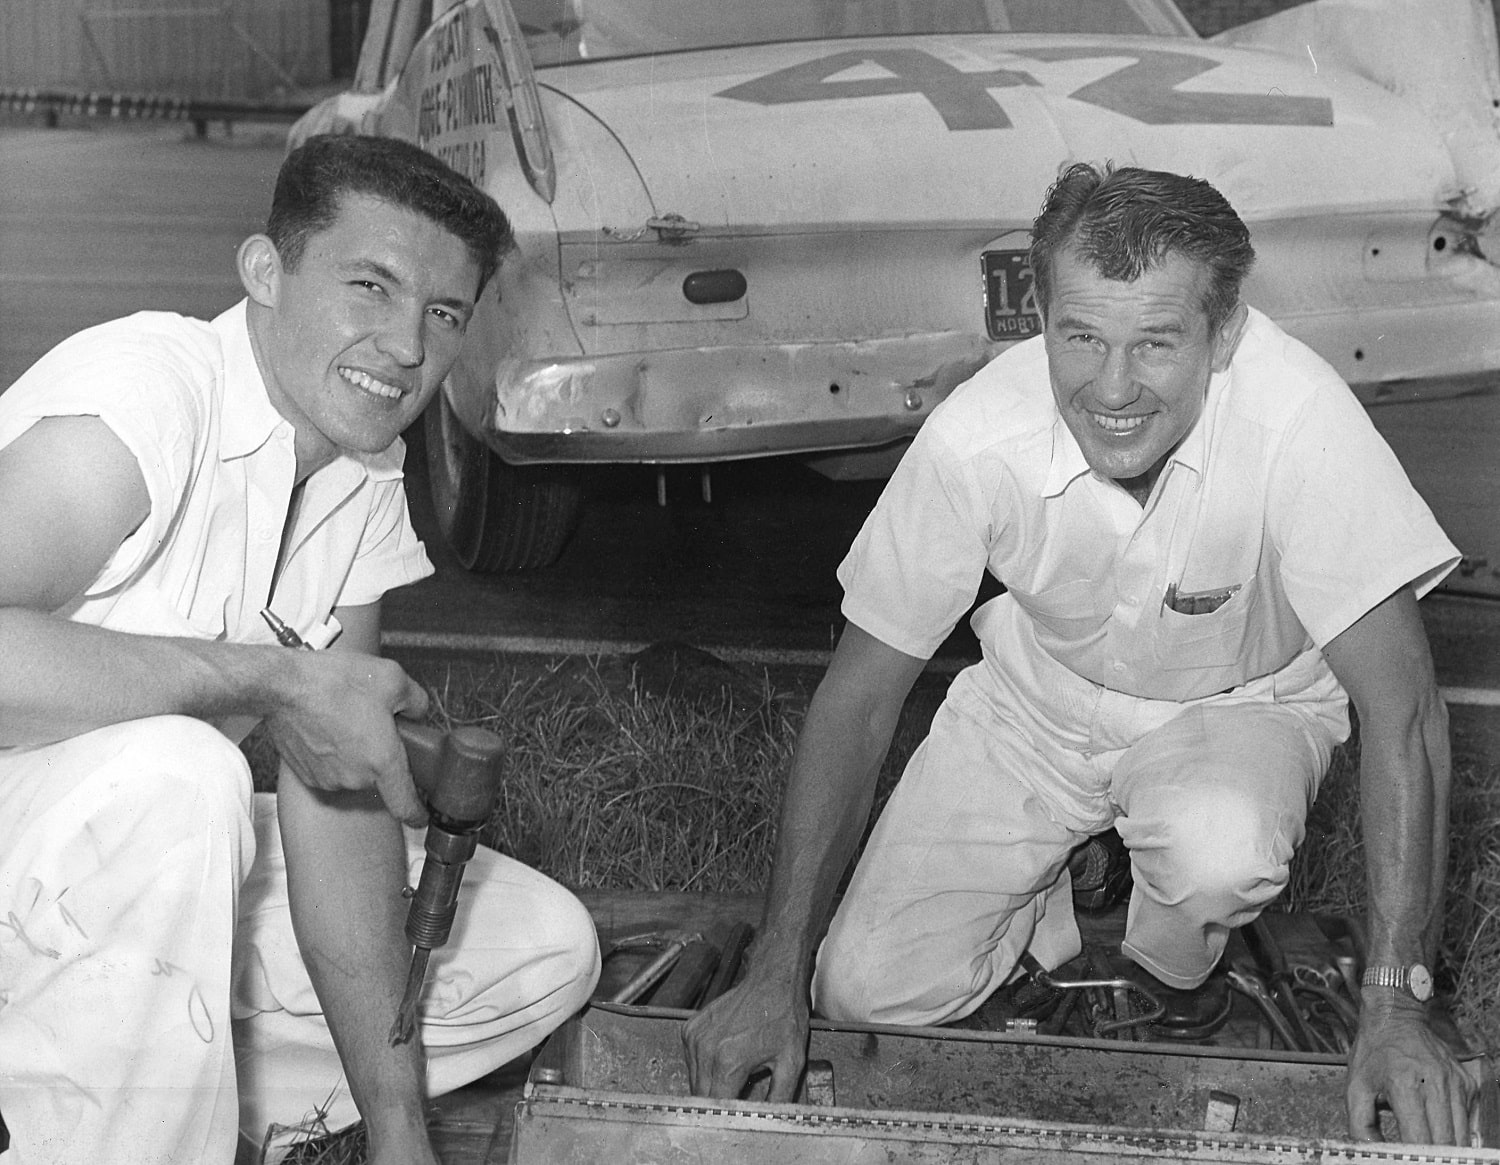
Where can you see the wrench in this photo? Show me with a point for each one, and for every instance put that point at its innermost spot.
(671, 944)
(1325, 1017)
(1273, 960)
(1249, 983)
(1325, 982)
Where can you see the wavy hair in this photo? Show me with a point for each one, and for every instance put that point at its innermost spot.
(1125, 221)
(321, 171)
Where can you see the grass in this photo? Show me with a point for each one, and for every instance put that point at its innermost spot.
(664, 772)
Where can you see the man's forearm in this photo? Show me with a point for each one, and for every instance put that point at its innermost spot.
(346, 866)
(827, 804)
(61, 678)
(1405, 777)
(829, 793)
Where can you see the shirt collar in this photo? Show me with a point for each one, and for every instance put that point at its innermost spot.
(1068, 463)
(250, 419)
(1193, 452)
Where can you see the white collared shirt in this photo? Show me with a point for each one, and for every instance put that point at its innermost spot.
(187, 398)
(1283, 495)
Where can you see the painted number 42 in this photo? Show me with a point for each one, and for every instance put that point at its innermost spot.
(1145, 89)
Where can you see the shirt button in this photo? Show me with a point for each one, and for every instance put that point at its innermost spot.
(1120, 666)
(264, 534)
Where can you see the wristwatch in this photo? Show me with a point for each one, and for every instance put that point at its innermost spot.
(1416, 980)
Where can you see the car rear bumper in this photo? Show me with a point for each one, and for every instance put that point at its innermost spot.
(732, 402)
(726, 403)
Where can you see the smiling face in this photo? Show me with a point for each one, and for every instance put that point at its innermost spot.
(1130, 362)
(354, 342)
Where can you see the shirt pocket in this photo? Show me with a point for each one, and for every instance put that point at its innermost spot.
(1214, 639)
(1072, 612)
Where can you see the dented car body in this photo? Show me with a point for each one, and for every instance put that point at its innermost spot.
(793, 227)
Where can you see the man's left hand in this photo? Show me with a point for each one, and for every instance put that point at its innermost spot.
(1397, 1058)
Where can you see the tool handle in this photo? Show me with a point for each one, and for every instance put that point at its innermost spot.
(458, 771)
(730, 958)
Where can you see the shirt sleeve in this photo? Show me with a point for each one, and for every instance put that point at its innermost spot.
(1350, 528)
(138, 378)
(390, 554)
(917, 562)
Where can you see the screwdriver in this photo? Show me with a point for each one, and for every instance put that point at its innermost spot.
(460, 772)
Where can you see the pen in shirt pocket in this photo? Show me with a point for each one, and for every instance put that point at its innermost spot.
(1197, 602)
(288, 637)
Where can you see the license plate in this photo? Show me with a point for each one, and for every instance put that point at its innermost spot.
(1009, 296)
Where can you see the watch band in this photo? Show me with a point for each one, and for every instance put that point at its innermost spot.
(1415, 979)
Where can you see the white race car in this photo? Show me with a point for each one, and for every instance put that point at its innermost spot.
(766, 227)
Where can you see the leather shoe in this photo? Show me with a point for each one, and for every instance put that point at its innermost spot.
(1100, 872)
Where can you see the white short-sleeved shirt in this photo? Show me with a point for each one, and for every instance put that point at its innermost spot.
(1283, 494)
(187, 398)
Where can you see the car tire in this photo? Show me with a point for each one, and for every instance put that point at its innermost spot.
(496, 517)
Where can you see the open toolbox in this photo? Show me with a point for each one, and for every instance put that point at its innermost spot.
(611, 1085)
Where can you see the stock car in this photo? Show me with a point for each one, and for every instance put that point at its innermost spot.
(753, 228)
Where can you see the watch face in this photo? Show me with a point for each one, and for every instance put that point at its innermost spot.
(1421, 982)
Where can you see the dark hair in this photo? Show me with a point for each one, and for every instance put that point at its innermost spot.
(1126, 221)
(317, 174)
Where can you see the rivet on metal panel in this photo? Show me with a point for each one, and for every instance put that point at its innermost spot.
(1223, 1110)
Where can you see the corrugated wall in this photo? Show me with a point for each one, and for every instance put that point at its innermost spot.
(198, 48)
(1211, 16)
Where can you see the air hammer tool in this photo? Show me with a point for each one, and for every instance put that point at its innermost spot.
(459, 774)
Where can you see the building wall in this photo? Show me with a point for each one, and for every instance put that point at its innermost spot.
(191, 48)
(1214, 16)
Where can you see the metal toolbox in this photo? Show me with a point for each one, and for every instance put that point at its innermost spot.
(611, 1086)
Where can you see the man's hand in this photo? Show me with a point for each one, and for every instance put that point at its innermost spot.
(747, 1029)
(337, 730)
(1398, 1058)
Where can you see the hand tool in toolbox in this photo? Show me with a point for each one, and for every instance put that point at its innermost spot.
(1117, 1005)
(684, 968)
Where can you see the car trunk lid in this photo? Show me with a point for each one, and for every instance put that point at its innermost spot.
(926, 130)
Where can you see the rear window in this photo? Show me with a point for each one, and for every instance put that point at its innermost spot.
(559, 31)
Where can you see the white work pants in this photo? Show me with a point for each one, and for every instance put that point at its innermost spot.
(966, 868)
(123, 854)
